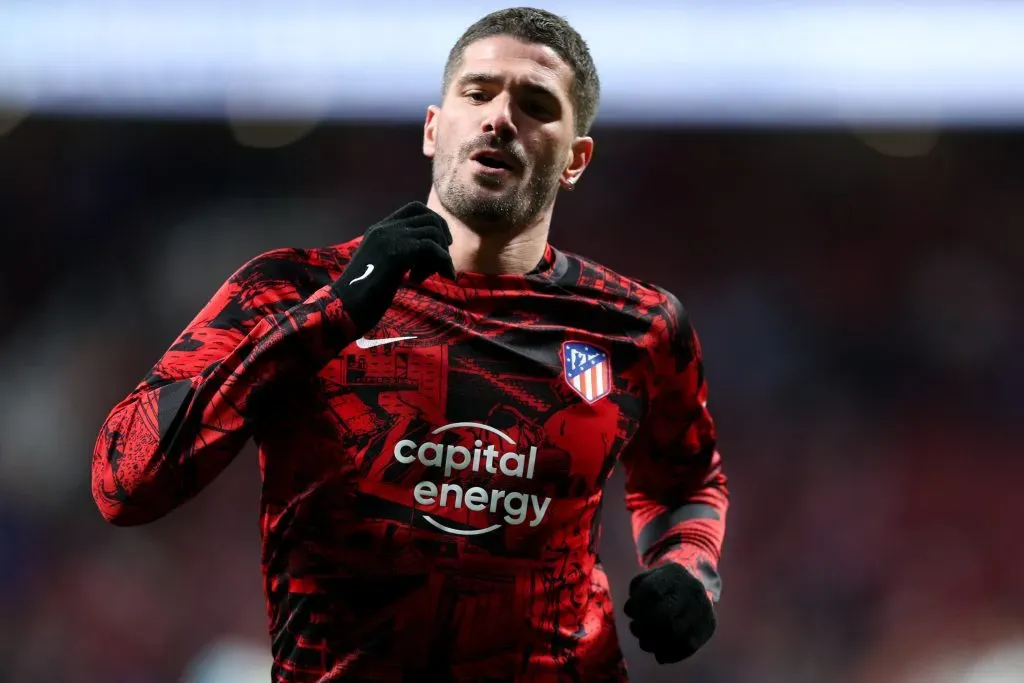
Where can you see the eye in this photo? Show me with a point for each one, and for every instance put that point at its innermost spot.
(477, 96)
(538, 110)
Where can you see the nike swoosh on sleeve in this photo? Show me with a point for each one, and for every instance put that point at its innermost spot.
(369, 269)
(365, 343)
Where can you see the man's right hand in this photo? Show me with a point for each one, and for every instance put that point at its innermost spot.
(412, 240)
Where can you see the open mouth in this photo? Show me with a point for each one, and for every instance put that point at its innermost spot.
(493, 161)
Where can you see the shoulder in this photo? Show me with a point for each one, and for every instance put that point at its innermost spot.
(671, 339)
(642, 298)
(662, 324)
(288, 262)
(288, 274)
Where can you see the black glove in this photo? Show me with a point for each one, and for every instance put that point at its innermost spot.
(412, 240)
(670, 612)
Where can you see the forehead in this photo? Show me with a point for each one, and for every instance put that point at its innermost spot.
(508, 57)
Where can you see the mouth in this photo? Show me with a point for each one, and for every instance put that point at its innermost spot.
(494, 162)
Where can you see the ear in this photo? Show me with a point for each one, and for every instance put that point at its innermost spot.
(430, 131)
(579, 156)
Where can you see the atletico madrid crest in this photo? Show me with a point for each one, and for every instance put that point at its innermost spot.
(587, 370)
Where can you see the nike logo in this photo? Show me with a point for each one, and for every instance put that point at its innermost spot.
(369, 269)
(365, 343)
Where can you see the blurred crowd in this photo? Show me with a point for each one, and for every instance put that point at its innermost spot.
(859, 300)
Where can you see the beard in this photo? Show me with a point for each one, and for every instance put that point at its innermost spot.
(482, 203)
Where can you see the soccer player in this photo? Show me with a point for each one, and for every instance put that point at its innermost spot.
(438, 404)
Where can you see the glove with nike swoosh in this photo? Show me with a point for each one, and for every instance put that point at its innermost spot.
(670, 612)
(413, 240)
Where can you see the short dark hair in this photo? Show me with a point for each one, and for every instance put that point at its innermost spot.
(541, 27)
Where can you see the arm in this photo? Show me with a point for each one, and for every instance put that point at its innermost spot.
(675, 487)
(191, 415)
(197, 407)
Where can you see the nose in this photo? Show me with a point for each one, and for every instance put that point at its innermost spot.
(499, 121)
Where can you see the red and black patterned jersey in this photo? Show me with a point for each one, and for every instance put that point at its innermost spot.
(432, 490)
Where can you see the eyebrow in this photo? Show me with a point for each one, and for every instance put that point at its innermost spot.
(483, 77)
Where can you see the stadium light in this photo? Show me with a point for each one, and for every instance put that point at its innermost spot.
(662, 62)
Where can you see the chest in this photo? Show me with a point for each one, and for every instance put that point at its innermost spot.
(559, 401)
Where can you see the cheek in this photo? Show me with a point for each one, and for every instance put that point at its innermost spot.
(555, 156)
(449, 140)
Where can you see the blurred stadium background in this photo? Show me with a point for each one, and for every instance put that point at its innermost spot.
(836, 191)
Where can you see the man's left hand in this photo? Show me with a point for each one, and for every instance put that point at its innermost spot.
(670, 612)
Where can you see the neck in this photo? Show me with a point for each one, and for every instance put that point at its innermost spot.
(511, 252)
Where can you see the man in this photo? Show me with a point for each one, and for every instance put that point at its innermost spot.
(438, 405)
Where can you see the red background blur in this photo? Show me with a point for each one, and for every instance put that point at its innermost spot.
(859, 301)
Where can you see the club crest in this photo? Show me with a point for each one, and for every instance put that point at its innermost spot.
(587, 370)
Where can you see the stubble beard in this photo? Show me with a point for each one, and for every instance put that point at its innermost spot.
(486, 211)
